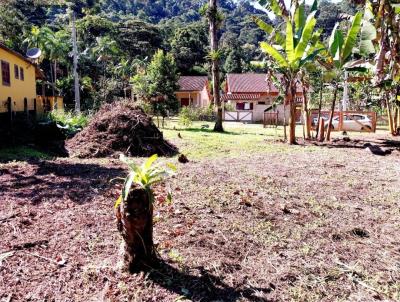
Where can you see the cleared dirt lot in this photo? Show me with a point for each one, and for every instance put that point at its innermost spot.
(251, 220)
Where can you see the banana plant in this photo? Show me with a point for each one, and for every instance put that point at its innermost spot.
(337, 56)
(382, 33)
(293, 49)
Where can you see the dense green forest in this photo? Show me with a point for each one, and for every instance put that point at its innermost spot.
(117, 39)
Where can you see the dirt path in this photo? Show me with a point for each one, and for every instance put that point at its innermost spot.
(291, 226)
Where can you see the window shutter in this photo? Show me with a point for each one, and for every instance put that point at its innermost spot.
(5, 73)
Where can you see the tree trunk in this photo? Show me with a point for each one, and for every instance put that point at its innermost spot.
(53, 78)
(292, 118)
(321, 130)
(213, 9)
(306, 116)
(75, 68)
(284, 121)
(55, 85)
(398, 121)
(319, 109)
(389, 113)
(135, 224)
(328, 132)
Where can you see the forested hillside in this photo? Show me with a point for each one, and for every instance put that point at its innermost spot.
(117, 39)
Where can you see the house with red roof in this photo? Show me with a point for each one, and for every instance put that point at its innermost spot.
(251, 95)
(193, 91)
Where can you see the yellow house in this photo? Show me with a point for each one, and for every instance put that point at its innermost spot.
(18, 85)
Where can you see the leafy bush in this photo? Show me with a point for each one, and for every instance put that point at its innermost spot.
(188, 114)
(185, 117)
(230, 107)
(70, 122)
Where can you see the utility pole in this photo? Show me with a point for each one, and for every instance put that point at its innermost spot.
(76, 76)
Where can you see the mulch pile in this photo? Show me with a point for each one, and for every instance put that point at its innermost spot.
(119, 128)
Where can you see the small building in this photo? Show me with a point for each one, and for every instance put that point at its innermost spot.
(193, 91)
(18, 86)
(250, 96)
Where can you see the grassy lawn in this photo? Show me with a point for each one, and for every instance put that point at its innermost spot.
(252, 219)
(199, 141)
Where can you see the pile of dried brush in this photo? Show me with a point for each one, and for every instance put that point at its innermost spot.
(118, 128)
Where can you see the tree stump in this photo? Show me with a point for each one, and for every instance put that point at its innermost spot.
(135, 224)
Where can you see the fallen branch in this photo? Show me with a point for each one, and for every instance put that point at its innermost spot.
(2, 219)
(41, 257)
(60, 263)
(355, 277)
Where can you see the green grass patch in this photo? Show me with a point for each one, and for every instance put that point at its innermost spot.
(199, 141)
(21, 153)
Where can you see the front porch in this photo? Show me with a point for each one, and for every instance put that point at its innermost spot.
(189, 99)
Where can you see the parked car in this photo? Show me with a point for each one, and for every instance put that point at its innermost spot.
(315, 120)
(352, 122)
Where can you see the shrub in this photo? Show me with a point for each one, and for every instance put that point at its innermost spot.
(188, 114)
(229, 107)
(186, 117)
(205, 114)
(70, 122)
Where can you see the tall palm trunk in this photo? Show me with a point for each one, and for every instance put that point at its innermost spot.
(328, 132)
(135, 224)
(215, 64)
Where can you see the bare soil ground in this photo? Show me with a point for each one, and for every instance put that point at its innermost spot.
(305, 223)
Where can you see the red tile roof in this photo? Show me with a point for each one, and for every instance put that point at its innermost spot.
(248, 83)
(251, 83)
(192, 83)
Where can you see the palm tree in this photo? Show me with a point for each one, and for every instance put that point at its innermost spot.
(124, 71)
(57, 46)
(54, 47)
(337, 55)
(105, 50)
(382, 32)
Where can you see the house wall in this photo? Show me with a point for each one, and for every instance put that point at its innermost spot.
(199, 98)
(258, 109)
(18, 89)
(283, 112)
(205, 97)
